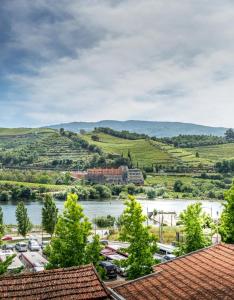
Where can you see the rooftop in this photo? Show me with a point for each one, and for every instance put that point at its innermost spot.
(204, 274)
(71, 283)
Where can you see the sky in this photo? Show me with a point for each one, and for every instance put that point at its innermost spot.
(89, 60)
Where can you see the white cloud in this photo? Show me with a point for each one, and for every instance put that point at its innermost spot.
(152, 60)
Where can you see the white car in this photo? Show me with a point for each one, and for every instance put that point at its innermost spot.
(33, 245)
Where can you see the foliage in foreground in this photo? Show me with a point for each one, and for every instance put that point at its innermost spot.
(6, 263)
(227, 218)
(69, 246)
(194, 221)
(142, 243)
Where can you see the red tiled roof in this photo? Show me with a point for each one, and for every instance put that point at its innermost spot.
(105, 171)
(204, 274)
(71, 283)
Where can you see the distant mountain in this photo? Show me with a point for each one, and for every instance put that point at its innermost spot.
(151, 128)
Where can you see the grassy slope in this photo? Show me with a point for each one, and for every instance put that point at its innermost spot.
(215, 153)
(142, 151)
(51, 146)
(22, 131)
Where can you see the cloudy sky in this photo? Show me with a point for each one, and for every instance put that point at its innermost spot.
(88, 60)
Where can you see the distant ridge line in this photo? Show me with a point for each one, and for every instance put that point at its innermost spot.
(151, 128)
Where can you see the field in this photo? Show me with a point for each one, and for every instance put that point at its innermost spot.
(143, 152)
(215, 153)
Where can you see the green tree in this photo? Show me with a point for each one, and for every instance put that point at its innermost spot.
(151, 194)
(93, 251)
(49, 215)
(194, 221)
(227, 218)
(2, 227)
(23, 223)
(68, 246)
(142, 243)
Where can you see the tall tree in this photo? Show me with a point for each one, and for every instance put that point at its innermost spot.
(227, 218)
(229, 135)
(68, 246)
(142, 243)
(194, 221)
(49, 215)
(2, 227)
(23, 223)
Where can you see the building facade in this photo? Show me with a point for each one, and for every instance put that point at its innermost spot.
(121, 175)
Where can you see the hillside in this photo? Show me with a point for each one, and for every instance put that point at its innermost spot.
(40, 148)
(151, 128)
(49, 149)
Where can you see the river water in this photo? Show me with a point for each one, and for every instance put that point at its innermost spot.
(112, 207)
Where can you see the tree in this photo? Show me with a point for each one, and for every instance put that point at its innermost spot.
(68, 246)
(227, 218)
(194, 221)
(178, 186)
(229, 135)
(151, 194)
(49, 215)
(142, 243)
(62, 131)
(23, 223)
(93, 251)
(2, 227)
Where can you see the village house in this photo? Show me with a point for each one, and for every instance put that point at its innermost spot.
(121, 175)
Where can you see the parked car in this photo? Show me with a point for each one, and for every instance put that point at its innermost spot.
(8, 247)
(159, 258)
(122, 271)
(33, 245)
(21, 247)
(169, 256)
(111, 269)
(104, 242)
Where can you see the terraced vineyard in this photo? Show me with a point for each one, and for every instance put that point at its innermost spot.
(215, 153)
(48, 149)
(41, 148)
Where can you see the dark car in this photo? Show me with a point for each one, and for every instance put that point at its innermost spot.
(8, 247)
(111, 269)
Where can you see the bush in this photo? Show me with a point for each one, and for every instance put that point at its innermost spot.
(151, 194)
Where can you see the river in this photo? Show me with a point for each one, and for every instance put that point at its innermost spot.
(112, 207)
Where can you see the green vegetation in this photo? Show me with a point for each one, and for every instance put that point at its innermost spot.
(194, 221)
(49, 215)
(191, 186)
(190, 141)
(69, 246)
(227, 218)
(23, 223)
(142, 243)
(213, 154)
(104, 222)
(143, 152)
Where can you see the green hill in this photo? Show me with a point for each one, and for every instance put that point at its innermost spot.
(49, 149)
